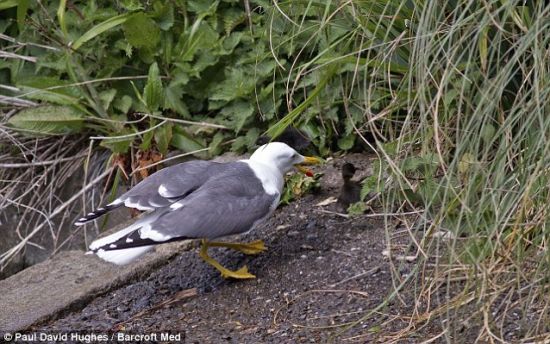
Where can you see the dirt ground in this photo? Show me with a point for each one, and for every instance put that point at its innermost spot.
(321, 272)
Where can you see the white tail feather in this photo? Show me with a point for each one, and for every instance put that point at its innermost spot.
(124, 256)
(114, 237)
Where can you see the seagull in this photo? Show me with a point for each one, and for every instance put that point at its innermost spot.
(201, 200)
(351, 190)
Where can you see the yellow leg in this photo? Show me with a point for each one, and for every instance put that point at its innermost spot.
(242, 273)
(253, 247)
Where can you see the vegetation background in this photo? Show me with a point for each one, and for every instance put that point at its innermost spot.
(451, 96)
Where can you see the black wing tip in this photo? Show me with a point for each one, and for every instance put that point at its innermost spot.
(134, 242)
(96, 213)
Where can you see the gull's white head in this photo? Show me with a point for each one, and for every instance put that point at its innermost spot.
(281, 156)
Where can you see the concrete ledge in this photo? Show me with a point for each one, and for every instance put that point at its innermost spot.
(68, 281)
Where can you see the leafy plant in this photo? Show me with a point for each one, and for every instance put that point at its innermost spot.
(298, 184)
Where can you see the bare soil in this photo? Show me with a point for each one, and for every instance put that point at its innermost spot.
(321, 273)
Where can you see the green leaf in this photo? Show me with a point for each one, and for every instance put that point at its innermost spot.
(123, 103)
(252, 137)
(215, 145)
(4, 4)
(100, 28)
(61, 16)
(163, 136)
(141, 31)
(488, 133)
(48, 120)
(236, 85)
(50, 96)
(370, 184)
(153, 92)
(239, 144)
(164, 13)
(120, 145)
(182, 140)
(146, 140)
(230, 42)
(22, 9)
(238, 112)
(202, 7)
(106, 97)
(346, 142)
(131, 5)
(173, 101)
(357, 208)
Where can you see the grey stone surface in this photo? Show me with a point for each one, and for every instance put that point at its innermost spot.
(68, 281)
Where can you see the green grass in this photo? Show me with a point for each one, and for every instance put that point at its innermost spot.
(456, 97)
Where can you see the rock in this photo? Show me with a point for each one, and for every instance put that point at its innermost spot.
(68, 281)
(292, 233)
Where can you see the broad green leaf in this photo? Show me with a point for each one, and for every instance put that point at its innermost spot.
(173, 101)
(146, 140)
(106, 97)
(141, 31)
(123, 103)
(215, 145)
(121, 145)
(236, 85)
(48, 119)
(239, 144)
(238, 112)
(370, 184)
(100, 28)
(131, 5)
(153, 92)
(202, 7)
(264, 68)
(8, 4)
(346, 142)
(202, 37)
(230, 42)
(53, 96)
(252, 137)
(182, 140)
(164, 13)
(163, 136)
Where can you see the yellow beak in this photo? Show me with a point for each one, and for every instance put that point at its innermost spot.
(309, 160)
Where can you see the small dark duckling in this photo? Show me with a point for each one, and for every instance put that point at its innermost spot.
(351, 190)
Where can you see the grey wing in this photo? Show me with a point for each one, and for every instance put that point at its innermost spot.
(161, 188)
(168, 185)
(220, 209)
